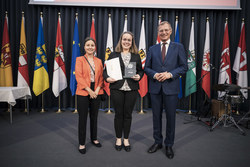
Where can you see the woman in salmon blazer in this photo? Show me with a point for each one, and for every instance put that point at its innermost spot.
(89, 77)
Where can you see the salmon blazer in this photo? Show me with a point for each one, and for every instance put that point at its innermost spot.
(82, 72)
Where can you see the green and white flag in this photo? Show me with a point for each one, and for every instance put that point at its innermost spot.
(191, 73)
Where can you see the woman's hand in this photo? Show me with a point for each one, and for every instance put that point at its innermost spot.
(111, 80)
(136, 77)
(97, 91)
(92, 94)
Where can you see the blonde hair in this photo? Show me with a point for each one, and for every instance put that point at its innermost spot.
(133, 48)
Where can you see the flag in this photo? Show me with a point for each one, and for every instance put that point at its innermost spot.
(177, 39)
(142, 52)
(177, 36)
(92, 32)
(23, 74)
(5, 63)
(205, 71)
(41, 76)
(158, 40)
(225, 65)
(75, 53)
(191, 73)
(59, 82)
(240, 62)
(125, 28)
(109, 49)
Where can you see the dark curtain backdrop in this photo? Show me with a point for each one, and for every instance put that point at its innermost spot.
(50, 14)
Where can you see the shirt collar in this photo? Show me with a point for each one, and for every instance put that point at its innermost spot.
(168, 42)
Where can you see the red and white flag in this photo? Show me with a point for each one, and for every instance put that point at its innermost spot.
(109, 49)
(225, 65)
(59, 74)
(23, 74)
(240, 62)
(142, 52)
(158, 38)
(92, 32)
(205, 71)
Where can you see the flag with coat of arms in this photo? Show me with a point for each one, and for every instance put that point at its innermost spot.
(41, 76)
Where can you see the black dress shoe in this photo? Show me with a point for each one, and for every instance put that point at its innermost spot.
(118, 147)
(82, 151)
(154, 148)
(127, 148)
(96, 144)
(169, 152)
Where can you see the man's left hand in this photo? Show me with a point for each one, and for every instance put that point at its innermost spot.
(163, 76)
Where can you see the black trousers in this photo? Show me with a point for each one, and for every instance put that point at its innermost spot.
(86, 105)
(124, 102)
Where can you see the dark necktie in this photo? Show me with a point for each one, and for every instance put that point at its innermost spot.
(163, 51)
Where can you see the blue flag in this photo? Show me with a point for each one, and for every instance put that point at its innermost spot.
(75, 53)
(41, 76)
(177, 39)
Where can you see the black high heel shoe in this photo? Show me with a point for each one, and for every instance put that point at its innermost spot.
(127, 148)
(96, 144)
(82, 151)
(118, 147)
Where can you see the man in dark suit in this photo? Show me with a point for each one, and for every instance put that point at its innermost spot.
(165, 62)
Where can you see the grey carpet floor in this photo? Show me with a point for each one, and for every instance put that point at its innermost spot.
(51, 140)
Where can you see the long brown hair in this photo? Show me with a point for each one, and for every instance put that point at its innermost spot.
(133, 48)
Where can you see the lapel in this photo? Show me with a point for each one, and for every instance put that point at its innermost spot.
(86, 64)
(132, 58)
(158, 51)
(121, 62)
(170, 48)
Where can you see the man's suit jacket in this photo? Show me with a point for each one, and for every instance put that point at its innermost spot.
(82, 72)
(134, 85)
(175, 62)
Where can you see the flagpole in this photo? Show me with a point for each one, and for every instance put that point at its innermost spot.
(42, 111)
(59, 98)
(109, 49)
(109, 111)
(189, 110)
(142, 47)
(59, 105)
(27, 105)
(25, 102)
(8, 110)
(25, 109)
(75, 105)
(141, 111)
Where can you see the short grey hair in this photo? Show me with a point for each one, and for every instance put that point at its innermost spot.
(164, 22)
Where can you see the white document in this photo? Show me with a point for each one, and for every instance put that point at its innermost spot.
(114, 68)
